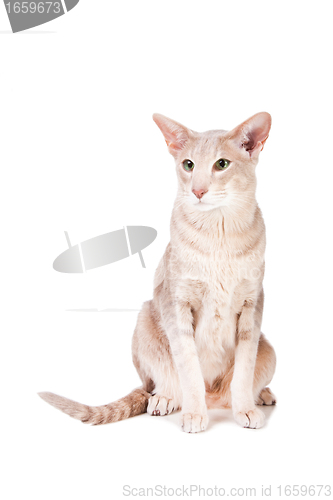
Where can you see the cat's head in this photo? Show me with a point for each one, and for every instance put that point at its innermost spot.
(215, 168)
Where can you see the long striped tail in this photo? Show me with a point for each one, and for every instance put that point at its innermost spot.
(131, 405)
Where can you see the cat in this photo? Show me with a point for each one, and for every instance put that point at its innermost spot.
(198, 343)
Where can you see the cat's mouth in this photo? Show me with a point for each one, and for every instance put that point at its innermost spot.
(203, 205)
(207, 202)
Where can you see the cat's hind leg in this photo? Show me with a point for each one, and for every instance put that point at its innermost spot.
(219, 394)
(153, 361)
(263, 373)
(160, 405)
(266, 397)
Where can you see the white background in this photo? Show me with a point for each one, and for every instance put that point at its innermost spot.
(80, 152)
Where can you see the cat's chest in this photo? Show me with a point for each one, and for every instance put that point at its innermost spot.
(219, 273)
(220, 296)
(209, 281)
(215, 324)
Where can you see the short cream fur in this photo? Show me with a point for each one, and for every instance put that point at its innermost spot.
(198, 342)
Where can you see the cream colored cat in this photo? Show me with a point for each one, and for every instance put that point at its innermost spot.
(198, 341)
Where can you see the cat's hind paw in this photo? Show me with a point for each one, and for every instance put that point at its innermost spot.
(159, 406)
(252, 419)
(194, 422)
(266, 397)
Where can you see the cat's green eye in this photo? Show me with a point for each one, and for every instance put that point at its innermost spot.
(188, 165)
(222, 164)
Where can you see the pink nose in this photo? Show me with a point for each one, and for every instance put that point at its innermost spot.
(199, 192)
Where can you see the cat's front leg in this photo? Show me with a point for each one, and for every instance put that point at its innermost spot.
(194, 417)
(243, 405)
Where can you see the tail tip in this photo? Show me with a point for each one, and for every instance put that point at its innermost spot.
(44, 395)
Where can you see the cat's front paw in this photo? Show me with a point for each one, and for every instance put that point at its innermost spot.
(194, 422)
(253, 419)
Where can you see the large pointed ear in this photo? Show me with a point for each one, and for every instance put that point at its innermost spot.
(252, 134)
(175, 134)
